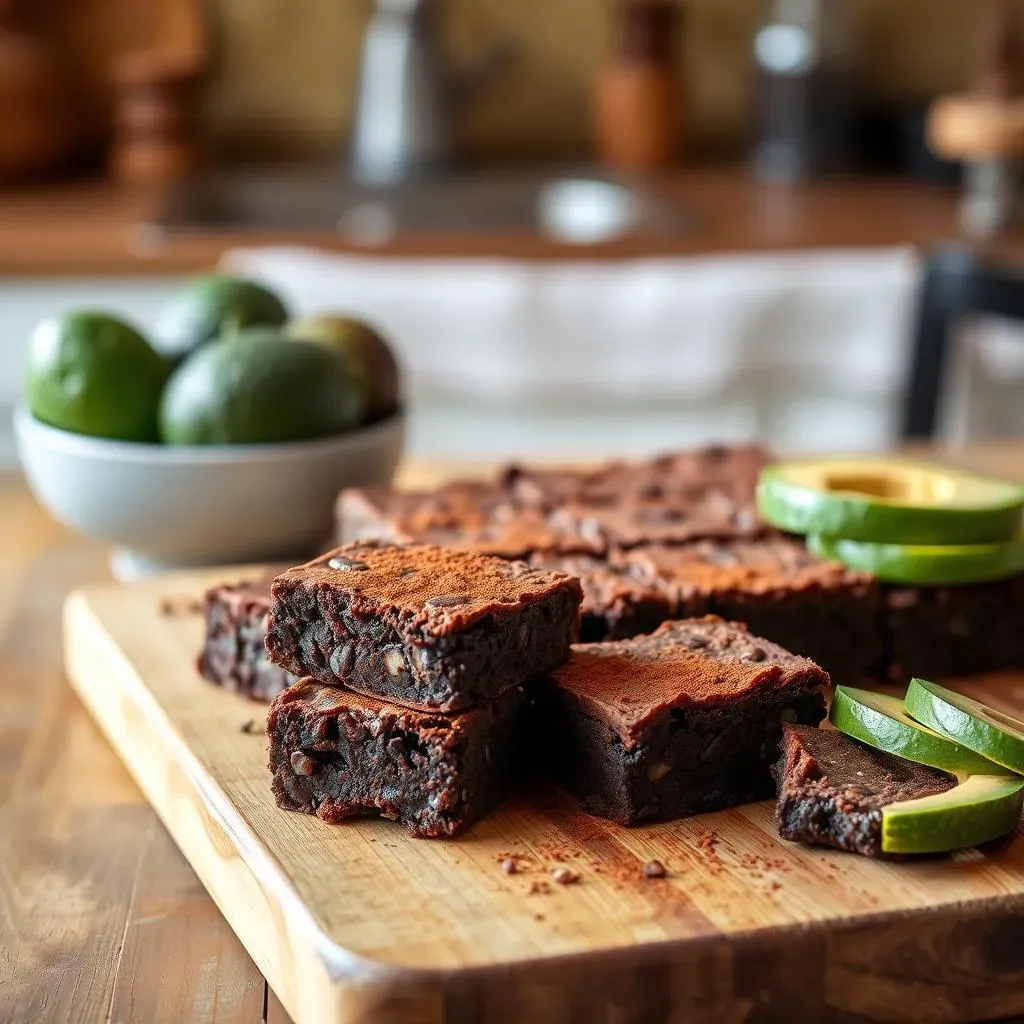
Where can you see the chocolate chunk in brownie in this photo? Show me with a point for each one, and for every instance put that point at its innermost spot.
(942, 632)
(233, 654)
(615, 605)
(423, 626)
(337, 754)
(682, 721)
(779, 589)
(832, 789)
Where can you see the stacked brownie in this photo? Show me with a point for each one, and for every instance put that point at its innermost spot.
(417, 665)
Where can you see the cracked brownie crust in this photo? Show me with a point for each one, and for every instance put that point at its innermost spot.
(423, 626)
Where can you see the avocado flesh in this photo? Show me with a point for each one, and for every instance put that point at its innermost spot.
(980, 808)
(974, 725)
(925, 564)
(881, 721)
(889, 501)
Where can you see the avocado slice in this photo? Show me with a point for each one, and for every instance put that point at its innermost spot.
(978, 809)
(925, 564)
(986, 731)
(889, 501)
(881, 721)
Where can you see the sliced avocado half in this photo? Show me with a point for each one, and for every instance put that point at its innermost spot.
(985, 730)
(978, 809)
(881, 721)
(925, 564)
(889, 501)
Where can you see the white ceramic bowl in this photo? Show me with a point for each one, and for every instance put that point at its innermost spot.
(166, 507)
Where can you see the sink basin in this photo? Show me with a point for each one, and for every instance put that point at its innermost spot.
(574, 206)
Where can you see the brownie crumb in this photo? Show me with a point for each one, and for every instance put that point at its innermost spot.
(563, 876)
(538, 917)
(509, 866)
(538, 889)
(654, 869)
(173, 607)
(247, 726)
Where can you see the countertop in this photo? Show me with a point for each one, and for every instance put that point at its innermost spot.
(101, 918)
(94, 228)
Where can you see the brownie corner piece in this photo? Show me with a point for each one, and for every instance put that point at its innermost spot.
(233, 655)
(338, 754)
(683, 721)
(832, 789)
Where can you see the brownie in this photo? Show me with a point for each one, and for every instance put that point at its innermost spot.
(819, 609)
(338, 754)
(423, 626)
(682, 721)
(233, 654)
(615, 605)
(832, 789)
(941, 632)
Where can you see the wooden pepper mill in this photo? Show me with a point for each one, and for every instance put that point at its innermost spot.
(985, 127)
(636, 104)
(36, 126)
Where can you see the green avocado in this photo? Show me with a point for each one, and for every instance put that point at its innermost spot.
(925, 564)
(889, 501)
(91, 373)
(985, 730)
(881, 721)
(258, 387)
(211, 307)
(980, 808)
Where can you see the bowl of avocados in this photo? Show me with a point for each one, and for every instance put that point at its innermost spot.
(223, 435)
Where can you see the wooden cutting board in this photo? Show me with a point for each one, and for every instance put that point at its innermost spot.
(359, 923)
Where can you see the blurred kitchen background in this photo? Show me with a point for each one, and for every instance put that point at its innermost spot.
(585, 225)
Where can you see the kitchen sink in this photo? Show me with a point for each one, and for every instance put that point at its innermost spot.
(574, 205)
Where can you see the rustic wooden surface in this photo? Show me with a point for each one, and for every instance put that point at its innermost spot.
(96, 228)
(101, 917)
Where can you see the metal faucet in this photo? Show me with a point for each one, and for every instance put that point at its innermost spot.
(407, 100)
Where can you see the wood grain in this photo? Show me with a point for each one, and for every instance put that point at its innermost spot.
(359, 922)
(100, 916)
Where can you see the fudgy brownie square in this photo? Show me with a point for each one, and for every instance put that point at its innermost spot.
(832, 789)
(819, 609)
(939, 632)
(233, 654)
(422, 626)
(683, 721)
(615, 605)
(337, 754)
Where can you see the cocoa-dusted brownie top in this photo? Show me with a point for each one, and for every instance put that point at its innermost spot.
(437, 591)
(832, 789)
(704, 661)
(758, 566)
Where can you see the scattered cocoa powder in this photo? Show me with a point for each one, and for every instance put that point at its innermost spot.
(173, 607)
(538, 917)
(538, 889)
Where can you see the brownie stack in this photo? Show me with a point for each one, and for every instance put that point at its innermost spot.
(415, 666)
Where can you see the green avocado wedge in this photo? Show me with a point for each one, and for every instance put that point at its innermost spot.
(980, 808)
(924, 565)
(889, 501)
(974, 725)
(881, 721)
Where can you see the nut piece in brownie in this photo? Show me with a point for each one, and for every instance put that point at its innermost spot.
(779, 589)
(337, 754)
(615, 605)
(940, 632)
(832, 789)
(682, 721)
(233, 654)
(420, 625)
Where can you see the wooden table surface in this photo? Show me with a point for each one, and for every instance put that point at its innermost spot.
(94, 227)
(101, 918)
